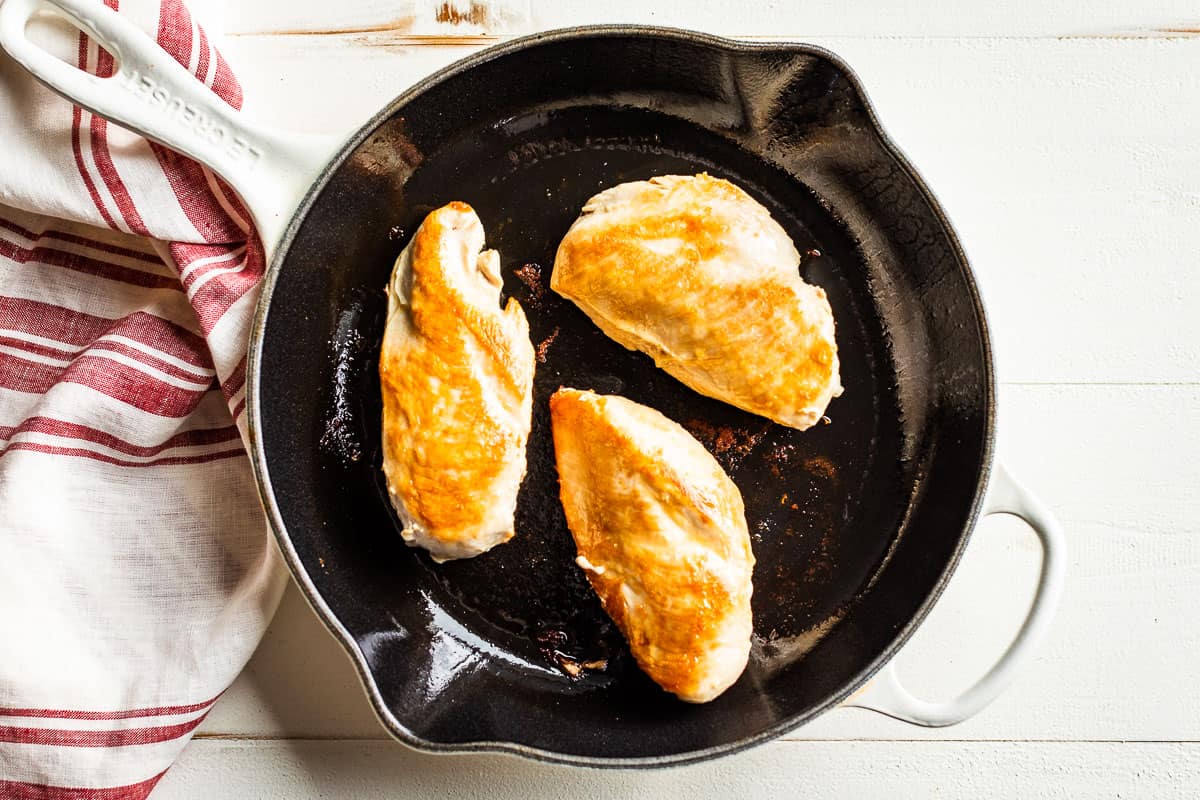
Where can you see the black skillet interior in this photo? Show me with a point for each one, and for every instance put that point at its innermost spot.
(855, 523)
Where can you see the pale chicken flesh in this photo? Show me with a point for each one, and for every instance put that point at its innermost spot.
(456, 373)
(695, 273)
(661, 533)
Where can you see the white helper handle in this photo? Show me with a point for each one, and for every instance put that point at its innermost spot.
(153, 95)
(887, 695)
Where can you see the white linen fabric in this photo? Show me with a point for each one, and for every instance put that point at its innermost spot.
(138, 574)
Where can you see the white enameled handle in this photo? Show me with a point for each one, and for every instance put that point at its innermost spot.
(887, 695)
(153, 95)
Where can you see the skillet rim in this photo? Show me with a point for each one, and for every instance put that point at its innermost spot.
(257, 452)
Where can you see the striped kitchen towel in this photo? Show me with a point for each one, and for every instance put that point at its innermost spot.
(137, 573)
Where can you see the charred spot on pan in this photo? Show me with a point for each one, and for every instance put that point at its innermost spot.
(782, 457)
(543, 347)
(779, 458)
(560, 650)
(729, 444)
(532, 278)
(821, 467)
(822, 566)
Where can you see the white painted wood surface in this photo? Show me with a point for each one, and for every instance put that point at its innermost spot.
(817, 770)
(774, 18)
(1064, 141)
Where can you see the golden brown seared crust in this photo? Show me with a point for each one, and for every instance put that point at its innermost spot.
(661, 532)
(456, 374)
(694, 272)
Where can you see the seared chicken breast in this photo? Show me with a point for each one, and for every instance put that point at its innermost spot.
(695, 273)
(661, 533)
(457, 378)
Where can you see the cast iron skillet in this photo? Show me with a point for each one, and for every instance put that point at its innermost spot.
(856, 524)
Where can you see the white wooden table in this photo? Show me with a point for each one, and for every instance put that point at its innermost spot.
(1064, 141)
